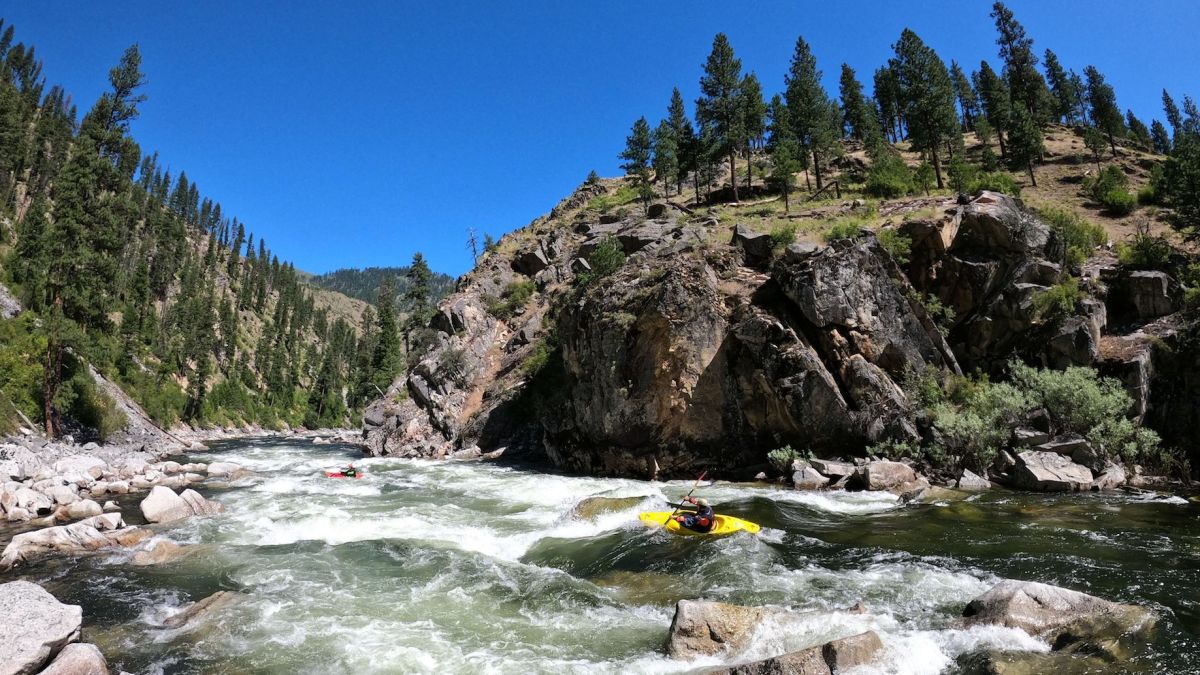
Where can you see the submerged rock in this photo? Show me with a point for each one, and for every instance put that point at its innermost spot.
(201, 609)
(835, 656)
(590, 508)
(1065, 619)
(34, 626)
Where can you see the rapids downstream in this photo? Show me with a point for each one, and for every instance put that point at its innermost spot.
(467, 567)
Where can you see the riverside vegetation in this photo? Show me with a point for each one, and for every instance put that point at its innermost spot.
(878, 308)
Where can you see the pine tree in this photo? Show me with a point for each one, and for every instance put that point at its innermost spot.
(1138, 131)
(1105, 114)
(996, 104)
(859, 117)
(637, 155)
(887, 97)
(968, 102)
(1026, 85)
(1159, 138)
(666, 155)
(387, 360)
(1064, 89)
(785, 151)
(719, 108)
(928, 96)
(685, 139)
(808, 110)
(416, 297)
(754, 119)
(1171, 111)
(1024, 143)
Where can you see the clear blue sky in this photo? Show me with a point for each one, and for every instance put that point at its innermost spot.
(356, 136)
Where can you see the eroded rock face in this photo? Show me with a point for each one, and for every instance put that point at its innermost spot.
(1065, 619)
(34, 627)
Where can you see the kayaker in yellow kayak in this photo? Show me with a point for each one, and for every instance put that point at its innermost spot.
(700, 520)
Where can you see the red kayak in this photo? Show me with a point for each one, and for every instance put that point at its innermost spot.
(339, 474)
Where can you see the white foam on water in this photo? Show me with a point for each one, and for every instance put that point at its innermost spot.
(839, 502)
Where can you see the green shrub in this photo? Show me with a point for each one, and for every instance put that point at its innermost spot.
(1119, 202)
(889, 177)
(516, 295)
(962, 174)
(607, 258)
(782, 458)
(1147, 196)
(942, 315)
(996, 181)
(84, 402)
(980, 425)
(925, 177)
(846, 229)
(897, 244)
(1080, 401)
(1145, 251)
(453, 363)
(782, 235)
(1080, 236)
(625, 194)
(1057, 301)
(22, 350)
(164, 401)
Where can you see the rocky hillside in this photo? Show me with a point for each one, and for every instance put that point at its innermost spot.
(712, 343)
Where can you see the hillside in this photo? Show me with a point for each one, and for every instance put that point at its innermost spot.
(120, 264)
(363, 284)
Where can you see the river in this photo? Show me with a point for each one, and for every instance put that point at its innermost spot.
(467, 567)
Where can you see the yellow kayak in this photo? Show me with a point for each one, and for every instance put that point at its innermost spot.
(724, 524)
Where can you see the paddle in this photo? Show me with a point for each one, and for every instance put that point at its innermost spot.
(689, 494)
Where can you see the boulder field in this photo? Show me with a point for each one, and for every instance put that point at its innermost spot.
(706, 350)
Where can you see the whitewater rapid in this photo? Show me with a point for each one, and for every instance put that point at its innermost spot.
(469, 567)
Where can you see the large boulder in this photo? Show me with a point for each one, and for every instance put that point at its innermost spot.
(885, 475)
(756, 246)
(704, 628)
(162, 505)
(1142, 295)
(1050, 472)
(88, 464)
(34, 627)
(1064, 619)
(79, 658)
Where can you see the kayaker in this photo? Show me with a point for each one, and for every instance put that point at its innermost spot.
(350, 471)
(702, 519)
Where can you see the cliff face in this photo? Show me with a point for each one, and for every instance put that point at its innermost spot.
(702, 351)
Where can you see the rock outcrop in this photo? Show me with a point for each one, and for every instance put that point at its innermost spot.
(87, 535)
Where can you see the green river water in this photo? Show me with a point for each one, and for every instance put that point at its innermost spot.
(467, 567)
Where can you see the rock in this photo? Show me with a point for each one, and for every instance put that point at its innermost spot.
(170, 467)
(912, 490)
(531, 261)
(808, 478)
(756, 246)
(656, 211)
(10, 470)
(1050, 472)
(836, 656)
(218, 469)
(34, 502)
(199, 505)
(164, 506)
(1025, 437)
(972, 481)
(591, 508)
(84, 509)
(163, 551)
(704, 628)
(472, 452)
(63, 494)
(80, 463)
(79, 658)
(110, 506)
(86, 535)
(884, 475)
(118, 487)
(34, 626)
(1142, 295)
(832, 469)
(1064, 445)
(17, 514)
(199, 610)
(1065, 619)
(1112, 478)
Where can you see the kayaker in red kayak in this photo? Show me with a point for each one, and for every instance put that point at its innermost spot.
(700, 520)
(346, 472)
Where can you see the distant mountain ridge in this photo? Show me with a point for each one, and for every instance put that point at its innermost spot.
(364, 283)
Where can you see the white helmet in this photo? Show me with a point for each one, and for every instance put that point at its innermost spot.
(702, 501)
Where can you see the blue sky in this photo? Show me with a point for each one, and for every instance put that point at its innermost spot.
(354, 136)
